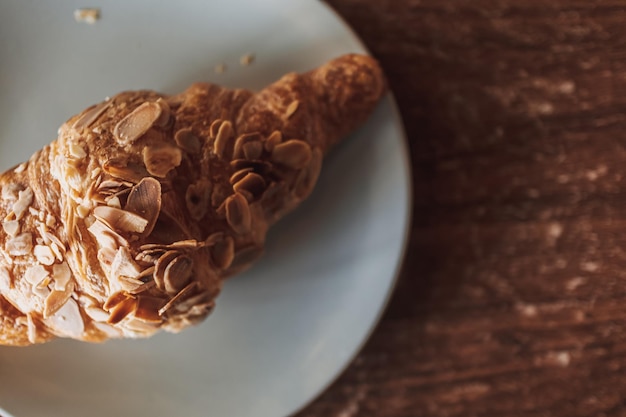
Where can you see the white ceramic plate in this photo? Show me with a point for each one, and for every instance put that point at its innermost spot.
(284, 330)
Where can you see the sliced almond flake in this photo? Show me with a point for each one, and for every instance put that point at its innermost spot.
(62, 275)
(42, 216)
(9, 192)
(178, 274)
(188, 141)
(11, 227)
(76, 151)
(272, 140)
(204, 299)
(106, 256)
(44, 284)
(120, 220)
(223, 138)
(166, 113)
(24, 200)
(148, 309)
(141, 327)
(122, 310)
(56, 300)
(50, 221)
(178, 297)
(51, 238)
(124, 265)
(20, 168)
(114, 300)
(135, 124)
(20, 245)
(41, 292)
(144, 200)
(292, 108)
(57, 251)
(161, 266)
(108, 330)
(44, 255)
(124, 171)
(215, 125)
(238, 213)
(160, 160)
(143, 288)
(33, 211)
(83, 211)
(113, 201)
(35, 274)
(5, 280)
(97, 314)
(32, 329)
(294, 154)
(129, 284)
(90, 115)
(67, 321)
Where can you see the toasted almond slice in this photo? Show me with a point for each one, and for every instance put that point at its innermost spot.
(44, 254)
(242, 140)
(160, 160)
(238, 175)
(62, 275)
(186, 140)
(32, 329)
(223, 252)
(127, 172)
(115, 299)
(272, 140)
(252, 183)
(24, 200)
(90, 115)
(35, 274)
(238, 213)
(292, 108)
(120, 220)
(185, 292)
(223, 138)
(67, 321)
(145, 200)
(122, 310)
(215, 126)
(56, 300)
(166, 113)
(294, 154)
(161, 266)
(97, 314)
(11, 227)
(148, 309)
(137, 123)
(177, 274)
(124, 265)
(252, 150)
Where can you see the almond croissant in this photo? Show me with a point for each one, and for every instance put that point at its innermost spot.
(129, 222)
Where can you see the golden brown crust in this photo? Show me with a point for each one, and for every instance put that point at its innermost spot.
(129, 222)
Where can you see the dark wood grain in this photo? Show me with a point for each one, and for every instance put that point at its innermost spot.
(512, 301)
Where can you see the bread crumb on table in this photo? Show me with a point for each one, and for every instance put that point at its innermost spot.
(246, 59)
(87, 15)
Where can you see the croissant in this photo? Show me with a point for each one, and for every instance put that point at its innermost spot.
(130, 221)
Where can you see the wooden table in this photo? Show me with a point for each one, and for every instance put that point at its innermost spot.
(512, 301)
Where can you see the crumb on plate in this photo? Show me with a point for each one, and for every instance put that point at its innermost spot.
(87, 15)
(246, 59)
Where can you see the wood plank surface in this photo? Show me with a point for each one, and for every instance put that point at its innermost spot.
(512, 299)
